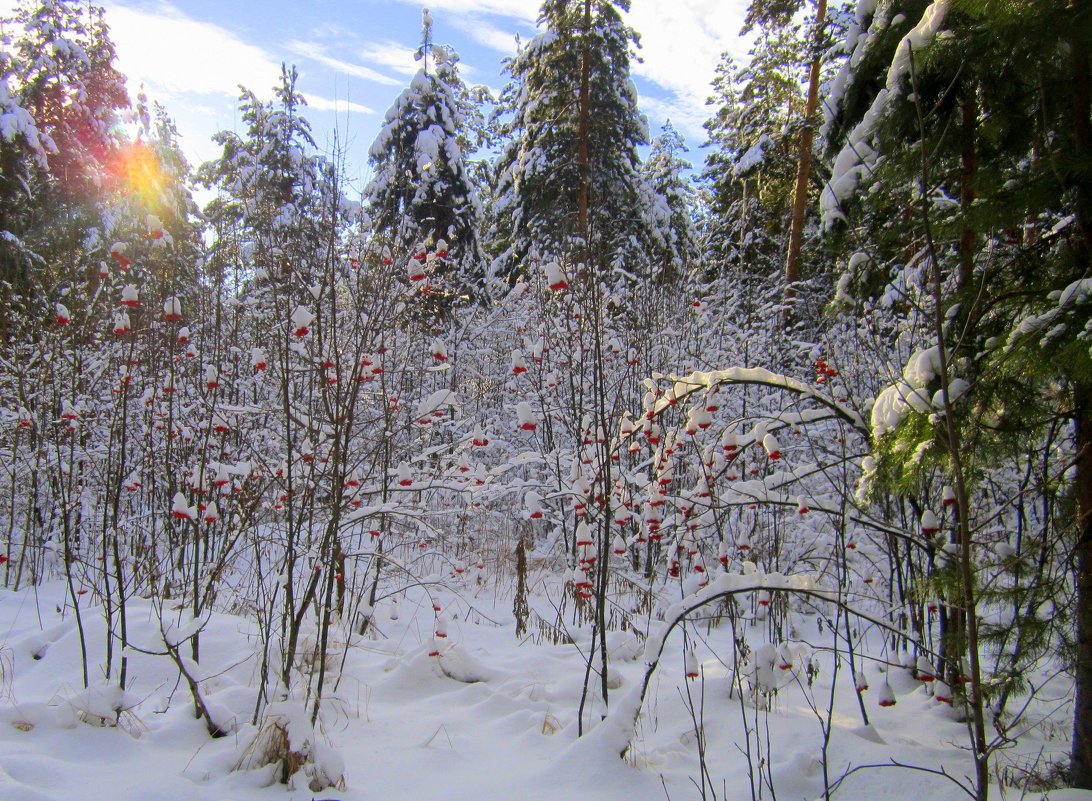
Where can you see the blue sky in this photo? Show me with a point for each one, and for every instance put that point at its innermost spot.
(355, 56)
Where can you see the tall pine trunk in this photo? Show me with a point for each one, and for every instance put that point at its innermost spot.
(804, 154)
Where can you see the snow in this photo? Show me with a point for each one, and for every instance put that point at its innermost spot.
(18, 123)
(393, 589)
(302, 317)
(683, 387)
(436, 401)
(1064, 302)
(488, 717)
(753, 156)
(922, 367)
(911, 393)
(856, 158)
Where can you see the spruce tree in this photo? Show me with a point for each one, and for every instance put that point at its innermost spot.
(569, 182)
(963, 169)
(273, 208)
(674, 196)
(61, 96)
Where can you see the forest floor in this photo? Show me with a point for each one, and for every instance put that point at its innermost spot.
(491, 717)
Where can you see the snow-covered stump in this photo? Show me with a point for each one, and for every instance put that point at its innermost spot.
(286, 743)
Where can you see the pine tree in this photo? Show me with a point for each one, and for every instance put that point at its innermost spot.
(779, 14)
(569, 182)
(423, 192)
(750, 171)
(274, 209)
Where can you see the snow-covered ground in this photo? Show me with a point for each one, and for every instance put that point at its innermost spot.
(491, 717)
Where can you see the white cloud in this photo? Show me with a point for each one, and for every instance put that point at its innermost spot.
(686, 117)
(197, 122)
(194, 68)
(681, 44)
(486, 34)
(521, 9)
(326, 104)
(172, 54)
(185, 62)
(316, 52)
(390, 55)
(399, 58)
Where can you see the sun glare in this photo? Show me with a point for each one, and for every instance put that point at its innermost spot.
(140, 175)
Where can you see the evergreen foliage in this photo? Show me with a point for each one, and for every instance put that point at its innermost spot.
(665, 172)
(280, 405)
(539, 172)
(277, 202)
(425, 190)
(60, 97)
(750, 171)
(961, 127)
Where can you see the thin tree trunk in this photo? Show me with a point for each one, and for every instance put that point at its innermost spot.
(967, 172)
(1081, 756)
(967, 595)
(803, 167)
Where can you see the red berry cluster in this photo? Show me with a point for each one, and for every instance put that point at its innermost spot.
(823, 371)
